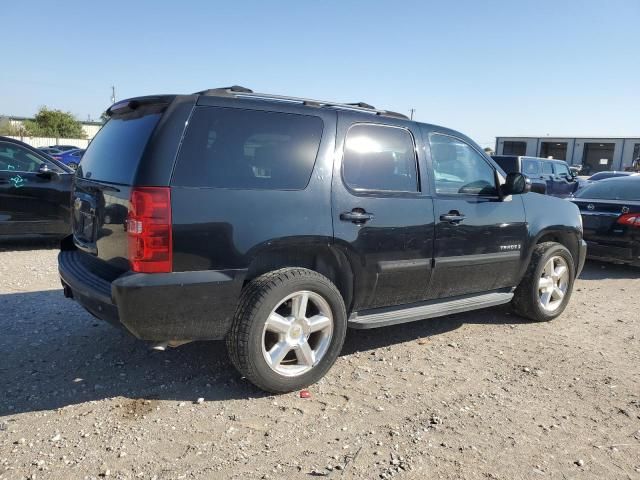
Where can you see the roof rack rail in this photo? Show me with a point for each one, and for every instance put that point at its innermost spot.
(225, 91)
(237, 91)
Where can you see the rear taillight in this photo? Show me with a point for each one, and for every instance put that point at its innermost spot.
(630, 220)
(149, 230)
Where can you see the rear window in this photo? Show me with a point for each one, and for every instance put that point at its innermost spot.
(248, 149)
(612, 189)
(115, 152)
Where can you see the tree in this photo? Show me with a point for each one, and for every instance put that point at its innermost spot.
(55, 124)
(488, 150)
(104, 117)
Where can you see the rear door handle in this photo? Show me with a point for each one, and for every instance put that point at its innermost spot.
(452, 217)
(356, 216)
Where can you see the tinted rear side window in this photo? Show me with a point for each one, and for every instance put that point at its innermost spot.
(380, 158)
(248, 149)
(115, 152)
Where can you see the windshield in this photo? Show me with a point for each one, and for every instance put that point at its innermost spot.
(612, 189)
(116, 150)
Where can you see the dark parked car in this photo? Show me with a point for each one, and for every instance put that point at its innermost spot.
(608, 174)
(583, 182)
(553, 177)
(611, 215)
(277, 222)
(52, 152)
(35, 192)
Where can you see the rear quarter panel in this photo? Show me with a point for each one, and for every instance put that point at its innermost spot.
(218, 228)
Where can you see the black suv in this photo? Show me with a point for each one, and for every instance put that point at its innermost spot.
(277, 222)
(553, 177)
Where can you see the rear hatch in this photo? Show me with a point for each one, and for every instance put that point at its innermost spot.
(104, 180)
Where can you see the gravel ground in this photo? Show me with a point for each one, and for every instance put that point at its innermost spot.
(480, 395)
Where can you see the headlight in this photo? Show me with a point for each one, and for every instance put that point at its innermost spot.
(581, 226)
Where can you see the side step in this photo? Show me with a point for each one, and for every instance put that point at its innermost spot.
(381, 317)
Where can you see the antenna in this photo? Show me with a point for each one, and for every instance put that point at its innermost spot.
(113, 95)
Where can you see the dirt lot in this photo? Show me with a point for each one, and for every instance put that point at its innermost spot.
(480, 395)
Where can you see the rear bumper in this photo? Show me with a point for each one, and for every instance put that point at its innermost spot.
(159, 306)
(614, 253)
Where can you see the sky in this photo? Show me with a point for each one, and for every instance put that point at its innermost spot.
(485, 68)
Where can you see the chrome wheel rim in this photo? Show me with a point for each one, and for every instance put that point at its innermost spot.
(553, 283)
(297, 333)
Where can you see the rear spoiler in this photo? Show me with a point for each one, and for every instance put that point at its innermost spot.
(132, 104)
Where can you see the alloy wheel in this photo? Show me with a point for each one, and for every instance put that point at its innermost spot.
(553, 283)
(297, 333)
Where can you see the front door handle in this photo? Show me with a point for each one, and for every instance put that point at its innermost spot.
(356, 215)
(452, 217)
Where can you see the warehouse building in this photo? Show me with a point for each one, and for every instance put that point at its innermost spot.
(595, 154)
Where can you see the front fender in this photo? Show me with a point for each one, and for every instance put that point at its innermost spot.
(552, 219)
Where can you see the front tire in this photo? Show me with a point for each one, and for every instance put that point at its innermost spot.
(546, 288)
(288, 330)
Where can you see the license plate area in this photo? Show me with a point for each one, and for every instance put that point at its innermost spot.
(84, 221)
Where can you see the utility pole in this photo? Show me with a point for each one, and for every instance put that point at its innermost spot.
(113, 94)
(412, 110)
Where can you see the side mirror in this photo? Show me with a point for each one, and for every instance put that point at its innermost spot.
(45, 172)
(515, 184)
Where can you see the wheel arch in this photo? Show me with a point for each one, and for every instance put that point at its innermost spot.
(566, 237)
(318, 256)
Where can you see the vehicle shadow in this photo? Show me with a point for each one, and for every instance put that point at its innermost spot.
(55, 354)
(596, 270)
(11, 244)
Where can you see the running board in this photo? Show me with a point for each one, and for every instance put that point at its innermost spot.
(381, 317)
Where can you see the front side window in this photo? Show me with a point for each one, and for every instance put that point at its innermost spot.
(547, 168)
(248, 149)
(380, 158)
(459, 169)
(562, 170)
(14, 158)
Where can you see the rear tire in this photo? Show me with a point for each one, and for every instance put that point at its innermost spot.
(288, 330)
(547, 285)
